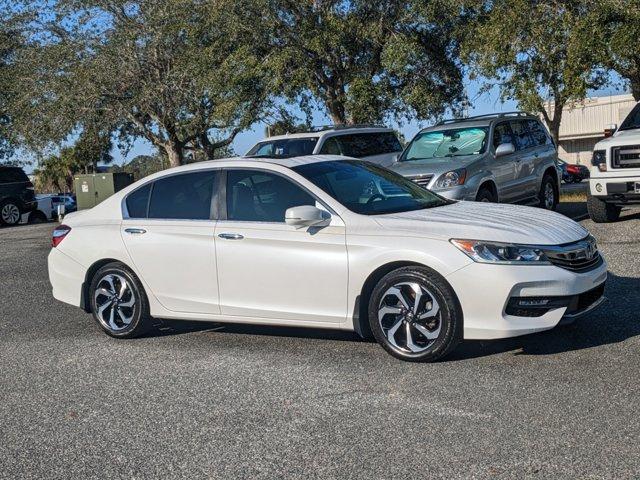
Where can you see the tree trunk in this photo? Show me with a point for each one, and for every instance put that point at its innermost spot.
(174, 154)
(635, 86)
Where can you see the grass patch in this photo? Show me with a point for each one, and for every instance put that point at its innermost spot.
(573, 197)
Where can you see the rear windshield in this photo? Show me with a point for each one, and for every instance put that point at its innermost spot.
(632, 120)
(12, 175)
(447, 143)
(284, 148)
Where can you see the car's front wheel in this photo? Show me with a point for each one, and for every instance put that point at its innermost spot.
(118, 302)
(415, 315)
(9, 213)
(548, 196)
(601, 211)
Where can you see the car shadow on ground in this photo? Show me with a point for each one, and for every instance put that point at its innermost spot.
(615, 321)
(578, 211)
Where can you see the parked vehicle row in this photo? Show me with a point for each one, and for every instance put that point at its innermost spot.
(17, 196)
(572, 173)
(310, 241)
(506, 157)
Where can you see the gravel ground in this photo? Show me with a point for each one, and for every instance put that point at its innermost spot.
(208, 401)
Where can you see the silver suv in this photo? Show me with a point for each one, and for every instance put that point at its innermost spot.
(506, 157)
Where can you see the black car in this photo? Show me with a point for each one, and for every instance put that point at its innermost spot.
(16, 195)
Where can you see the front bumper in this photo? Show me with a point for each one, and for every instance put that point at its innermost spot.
(619, 190)
(484, 292)
(460, 192)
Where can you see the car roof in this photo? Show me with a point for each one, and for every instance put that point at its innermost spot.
(248, 162)
(329, 131)
(479, 121)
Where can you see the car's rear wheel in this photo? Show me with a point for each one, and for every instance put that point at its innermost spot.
(37, 217)
(601, 211)
(118, 302)
(9, 213)
(415, 315)
(548, 195)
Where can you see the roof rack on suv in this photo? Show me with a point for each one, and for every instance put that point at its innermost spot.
(321, 128)
(486, 115)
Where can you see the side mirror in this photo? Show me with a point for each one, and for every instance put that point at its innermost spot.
(305, 216)
(505, 149)
(609, 130)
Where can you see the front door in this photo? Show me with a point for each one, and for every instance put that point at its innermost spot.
(504, 168)
(270, 270)
(169, 237)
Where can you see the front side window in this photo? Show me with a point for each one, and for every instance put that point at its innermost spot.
(632, 120)
(284, 148)
(455, 142)
(502, 134)
(359, 145)
(521, 135)
(367, 189)
(182, 197)
(259, 196)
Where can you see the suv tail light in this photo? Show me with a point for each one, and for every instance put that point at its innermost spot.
(59, 233)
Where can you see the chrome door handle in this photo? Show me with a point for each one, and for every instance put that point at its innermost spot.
(230, 236)
(135, 231)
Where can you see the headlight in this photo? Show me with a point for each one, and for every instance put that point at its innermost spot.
(599, 159)
(487, 252)
(452, 178)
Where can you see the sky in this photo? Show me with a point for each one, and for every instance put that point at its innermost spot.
(488, 102)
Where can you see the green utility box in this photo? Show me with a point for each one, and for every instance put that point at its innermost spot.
(93, 188)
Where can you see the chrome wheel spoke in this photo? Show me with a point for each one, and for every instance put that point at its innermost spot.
(124, 286)
(112, 312)
(396, 292)
(112, 319)
(391, 333)
(418, 296)
(425, 331)
(386, 309)
(104, 292)
(410, 344)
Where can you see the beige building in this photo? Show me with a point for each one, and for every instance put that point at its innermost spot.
(583, 124)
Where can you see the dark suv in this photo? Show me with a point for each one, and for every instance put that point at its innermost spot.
(16, 195)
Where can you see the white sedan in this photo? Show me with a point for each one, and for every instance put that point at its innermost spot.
(328, 242)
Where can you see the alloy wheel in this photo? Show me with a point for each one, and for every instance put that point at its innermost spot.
(115, 302)
(410, 317)
(549, 196)
(10, 214)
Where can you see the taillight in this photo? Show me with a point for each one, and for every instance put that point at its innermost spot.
(59, 233)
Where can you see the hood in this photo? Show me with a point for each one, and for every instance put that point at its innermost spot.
(434, 166)
(487, 221)
(621, 137)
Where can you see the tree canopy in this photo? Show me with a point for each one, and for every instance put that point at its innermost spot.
(367, 62)
(181, 74)
(537, 51)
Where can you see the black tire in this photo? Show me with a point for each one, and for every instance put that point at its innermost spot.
(140, 318)
(548, 195)
(7, 213)
(486, 195)
(601, 211)
(37, 217)
(446, 324)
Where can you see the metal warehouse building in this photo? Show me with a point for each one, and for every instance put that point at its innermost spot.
(583, 124)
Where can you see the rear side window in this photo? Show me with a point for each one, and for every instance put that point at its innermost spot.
(502, 134)
(13, 175)
(138, 201)
(182, 197)
(538, 133)
(360, 145)
(521, 135)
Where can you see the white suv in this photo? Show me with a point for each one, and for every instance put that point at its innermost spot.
(378, 145)
(615, 175)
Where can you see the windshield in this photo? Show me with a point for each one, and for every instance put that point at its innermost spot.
(284, 148)
(632, 120)
(368, 189)
(447, 143)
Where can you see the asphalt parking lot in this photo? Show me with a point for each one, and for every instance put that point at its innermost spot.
(209, 401)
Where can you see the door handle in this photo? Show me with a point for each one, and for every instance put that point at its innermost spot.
(135, 231)
(231, 236)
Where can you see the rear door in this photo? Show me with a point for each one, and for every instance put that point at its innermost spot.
(545, 154)
(168, 232)
(525, 157)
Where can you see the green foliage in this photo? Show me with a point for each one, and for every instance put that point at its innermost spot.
(366, 62)
(537, 51)
(620, 22)
(182, 74)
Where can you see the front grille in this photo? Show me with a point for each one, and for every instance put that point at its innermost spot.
(422, 180)
(586, 299)
(579, 257)
(625, 157)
